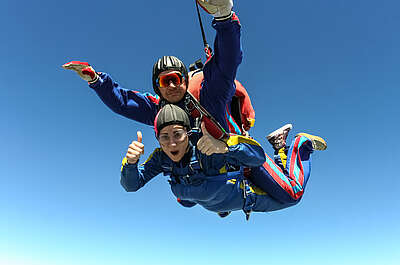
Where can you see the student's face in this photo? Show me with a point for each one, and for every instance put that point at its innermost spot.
(174, 91)
(174, 141)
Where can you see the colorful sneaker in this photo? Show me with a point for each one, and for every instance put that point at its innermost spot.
(224, 214)
(317, 142)
(278, 137)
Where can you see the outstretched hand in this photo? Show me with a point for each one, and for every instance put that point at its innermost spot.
(135, 149)
(208, 145)
(83, 69)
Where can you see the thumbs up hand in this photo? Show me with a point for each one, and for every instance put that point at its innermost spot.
(135, 149)
(208, 145)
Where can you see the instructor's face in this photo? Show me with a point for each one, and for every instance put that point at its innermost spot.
(174, 91)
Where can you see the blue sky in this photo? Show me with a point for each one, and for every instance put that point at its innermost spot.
(328, 67)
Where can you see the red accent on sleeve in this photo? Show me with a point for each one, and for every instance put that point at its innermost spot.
(235, 18)
(89, 71)
(78, 62)
(154, 99)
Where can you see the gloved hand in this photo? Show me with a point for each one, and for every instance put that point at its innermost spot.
(220, 9)
(83, 69)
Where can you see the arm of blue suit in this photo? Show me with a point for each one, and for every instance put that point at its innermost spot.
(140, 107)
(133, 177)
(244, 152)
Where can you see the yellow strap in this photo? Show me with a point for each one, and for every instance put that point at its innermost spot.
(237, 139)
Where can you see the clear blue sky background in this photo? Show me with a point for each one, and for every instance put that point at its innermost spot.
(329, 67)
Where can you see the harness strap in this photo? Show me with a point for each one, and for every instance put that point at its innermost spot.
(194, 167)
(194, 164)
(167, 170)
(196, 110)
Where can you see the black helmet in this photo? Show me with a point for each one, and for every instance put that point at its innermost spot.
(168, 115)
(166, 63)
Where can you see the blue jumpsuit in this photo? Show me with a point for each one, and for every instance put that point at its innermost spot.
(208, 185)
(215, 95)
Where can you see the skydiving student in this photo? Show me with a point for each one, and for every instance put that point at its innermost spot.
(170, 82)
(198, 174)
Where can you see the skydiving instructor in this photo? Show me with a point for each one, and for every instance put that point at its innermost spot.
(170, 78)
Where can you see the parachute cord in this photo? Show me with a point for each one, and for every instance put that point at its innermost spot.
(207, 48)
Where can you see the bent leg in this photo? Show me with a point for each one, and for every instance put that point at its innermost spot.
(286, 186)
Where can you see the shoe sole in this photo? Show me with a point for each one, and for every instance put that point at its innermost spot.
(278, 131)
(224, 214)
(317, 142)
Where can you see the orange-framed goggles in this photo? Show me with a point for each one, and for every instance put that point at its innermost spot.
(164, 80)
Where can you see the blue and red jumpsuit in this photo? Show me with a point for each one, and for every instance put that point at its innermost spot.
(216, 95)
(204, 180)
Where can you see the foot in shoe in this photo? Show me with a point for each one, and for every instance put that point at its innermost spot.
(317, 142)
(278, 137)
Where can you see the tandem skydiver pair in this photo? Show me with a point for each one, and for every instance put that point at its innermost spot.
(284, 182)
